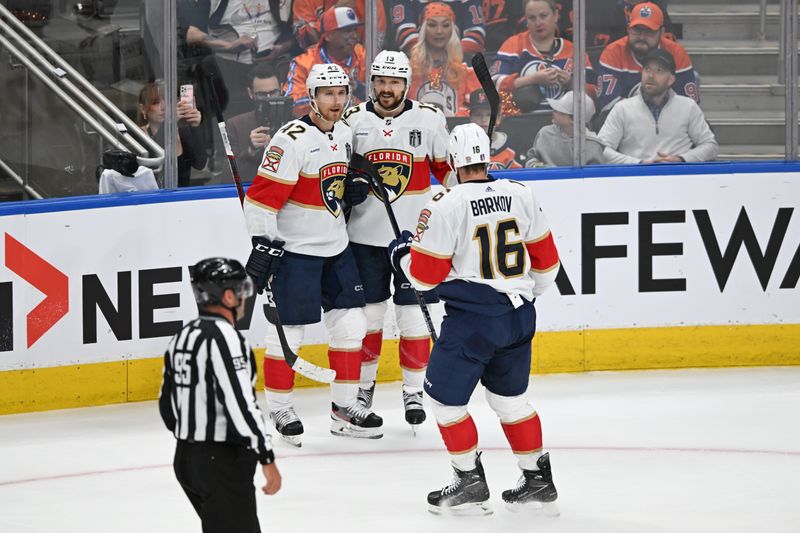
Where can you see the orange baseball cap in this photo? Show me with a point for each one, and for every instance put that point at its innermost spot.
(647, 14)
(438, 9)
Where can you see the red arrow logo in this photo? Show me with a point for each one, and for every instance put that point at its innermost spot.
(48, 279)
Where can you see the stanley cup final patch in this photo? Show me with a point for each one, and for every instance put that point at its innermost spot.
(272, 159)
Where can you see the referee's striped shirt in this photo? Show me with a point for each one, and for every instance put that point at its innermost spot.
(208, 390)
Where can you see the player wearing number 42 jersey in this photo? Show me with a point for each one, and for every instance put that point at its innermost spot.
(406, 141)
(487, 248)
(294, 212)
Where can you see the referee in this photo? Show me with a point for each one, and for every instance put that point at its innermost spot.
(208, 401)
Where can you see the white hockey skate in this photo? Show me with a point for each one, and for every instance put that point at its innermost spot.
(355, 421)
(288, 426)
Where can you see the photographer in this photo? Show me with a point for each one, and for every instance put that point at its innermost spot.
(250, 132)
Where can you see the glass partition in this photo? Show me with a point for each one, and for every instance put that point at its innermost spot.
(71, 73)
(83, 78)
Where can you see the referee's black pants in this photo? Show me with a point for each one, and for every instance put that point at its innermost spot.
(218, 479)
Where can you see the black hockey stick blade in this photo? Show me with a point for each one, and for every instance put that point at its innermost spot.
(485, 78)
(298, 364)
(364, 165)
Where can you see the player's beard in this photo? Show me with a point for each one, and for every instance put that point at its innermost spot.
(389, 101)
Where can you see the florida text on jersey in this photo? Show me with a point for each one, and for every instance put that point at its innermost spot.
(405, 149)
(296, 196)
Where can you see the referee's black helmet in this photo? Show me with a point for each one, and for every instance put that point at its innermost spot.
(212, 276)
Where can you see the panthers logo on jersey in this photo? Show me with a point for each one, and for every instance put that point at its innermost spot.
(394, 167)
(331, 183)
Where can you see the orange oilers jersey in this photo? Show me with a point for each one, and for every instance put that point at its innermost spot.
(451, 98)
(490, 232)
(502, 156)
(621, 73)
(519, 57)
(406, 150)
(296, 196)
(295, 85)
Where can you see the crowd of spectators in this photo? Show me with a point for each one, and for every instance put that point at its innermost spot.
(267, 48)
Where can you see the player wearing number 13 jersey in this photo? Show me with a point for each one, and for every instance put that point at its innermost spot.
(294, 212)
(487, 247)
(406, 141)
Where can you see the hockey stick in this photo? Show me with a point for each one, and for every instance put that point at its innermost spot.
(485, 77)
(363, 164)
(298, 364)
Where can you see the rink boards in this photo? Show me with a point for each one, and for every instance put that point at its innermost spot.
(663, 267)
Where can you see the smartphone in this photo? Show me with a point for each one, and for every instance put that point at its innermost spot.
(187, 94)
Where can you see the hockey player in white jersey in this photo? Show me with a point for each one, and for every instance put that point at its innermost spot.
(406, 141)
(487, 248)
(294, 212)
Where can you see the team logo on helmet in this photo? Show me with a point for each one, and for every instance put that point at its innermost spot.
(645, 12)
(415, 138)
(394, 168)
(331, 184)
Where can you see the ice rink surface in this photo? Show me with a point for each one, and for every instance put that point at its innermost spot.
(658, 451)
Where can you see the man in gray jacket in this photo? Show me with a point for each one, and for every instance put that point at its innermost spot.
(657, 125)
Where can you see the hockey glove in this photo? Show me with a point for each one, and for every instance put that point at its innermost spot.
(356, 187)
(264, 261)
(398, 248)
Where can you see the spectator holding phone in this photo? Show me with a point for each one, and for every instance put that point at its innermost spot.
(250, 132)
(536, 65)
(191, 143)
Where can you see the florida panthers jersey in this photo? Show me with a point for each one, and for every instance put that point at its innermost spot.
(296, 196)
(491, 233)
(405, 149)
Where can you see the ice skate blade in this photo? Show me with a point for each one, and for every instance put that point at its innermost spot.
(292, 440)
(465, 509)
(345, 429)
(539, 508)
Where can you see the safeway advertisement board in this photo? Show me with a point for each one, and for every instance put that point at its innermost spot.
(107, 284)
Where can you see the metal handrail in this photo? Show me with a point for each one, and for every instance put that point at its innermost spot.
(762, 21)
(48, 57)
(85, 115)
(14, 176)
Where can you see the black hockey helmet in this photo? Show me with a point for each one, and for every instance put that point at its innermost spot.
(212, 276)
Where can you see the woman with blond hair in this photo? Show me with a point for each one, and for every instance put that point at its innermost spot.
(535, 65)
(439, 75)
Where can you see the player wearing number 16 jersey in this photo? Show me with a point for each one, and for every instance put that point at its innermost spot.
(487, 248)
(294, 212)
(406, 141)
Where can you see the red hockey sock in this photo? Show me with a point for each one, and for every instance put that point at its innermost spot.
(346, 363)
(461, 436)
(371, 346)
(278, 376)
(414, 352)
(525, 436)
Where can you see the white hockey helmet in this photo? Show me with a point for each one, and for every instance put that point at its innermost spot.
(325, 75)
(469, 145)
(392, 64)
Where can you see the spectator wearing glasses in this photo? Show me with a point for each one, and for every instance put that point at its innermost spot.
(622, 61)
(307, 15)
(338, 44)
(657, 125)
(250, 132)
